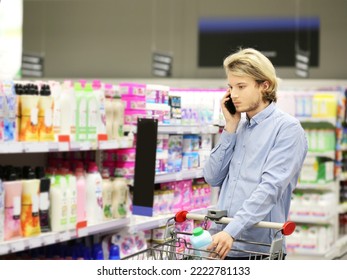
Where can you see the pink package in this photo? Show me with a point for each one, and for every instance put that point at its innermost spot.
(124, 169)
(182, 196)
(134, 101)
(132, 88)
(126, 155)
(130, 115)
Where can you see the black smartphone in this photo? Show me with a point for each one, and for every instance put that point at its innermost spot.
(230, 106)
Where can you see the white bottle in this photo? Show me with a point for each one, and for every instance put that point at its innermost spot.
(92, 113)
(94, 195)
(107, 192)
(72, 200)
(81, 113)
(200, 239)
(101, 112)
(109, 93)
(59, 203)
(118, 116)
(81, 185)
(120, 197)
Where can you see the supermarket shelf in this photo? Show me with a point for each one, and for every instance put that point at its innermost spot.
(335, 252)
(328, 154)
(317, 186)
(180, 129)
(178, 176)
(188, 129)
(310, 119)
(48, 238)
(312, 219)
(44, 147)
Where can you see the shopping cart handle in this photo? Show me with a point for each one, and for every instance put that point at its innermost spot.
(288, 228)
(181, 216)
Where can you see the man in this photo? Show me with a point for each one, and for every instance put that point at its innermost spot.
(258, 158)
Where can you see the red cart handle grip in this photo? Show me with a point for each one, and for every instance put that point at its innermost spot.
(181, 216)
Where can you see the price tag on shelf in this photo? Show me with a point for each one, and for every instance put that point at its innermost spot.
(195, 130)
(179, 176)
(48, 239)
(11, 147)
(85, 146)
(74, 146)
(64, 146)
(64, 236)
(35, 242)
(53, 146)
(82, 232)
(108, 145)
(17, 246)
(179, 130)
(4, 249)
(35, 147)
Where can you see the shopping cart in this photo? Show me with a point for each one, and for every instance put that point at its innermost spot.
(175, 247)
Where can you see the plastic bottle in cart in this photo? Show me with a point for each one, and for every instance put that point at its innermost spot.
(200, 239)
(94, 195)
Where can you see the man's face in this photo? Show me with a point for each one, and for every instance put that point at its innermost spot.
(246, 94)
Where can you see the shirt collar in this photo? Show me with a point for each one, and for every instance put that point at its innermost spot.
(258, 118)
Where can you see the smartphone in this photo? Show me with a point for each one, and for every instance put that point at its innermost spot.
(230, 106)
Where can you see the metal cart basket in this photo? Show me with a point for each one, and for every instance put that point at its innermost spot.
(175, 247)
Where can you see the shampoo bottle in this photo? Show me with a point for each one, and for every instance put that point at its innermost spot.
(44, 200)
(30, 219)
(45, 114)
(13, 193)
(107, 191)
(119, 197)
(94, 195)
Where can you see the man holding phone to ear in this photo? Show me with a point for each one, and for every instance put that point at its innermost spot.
(258, 158)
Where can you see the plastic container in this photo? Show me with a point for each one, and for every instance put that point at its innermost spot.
(200, 239)
(94, 195)
(119, 198)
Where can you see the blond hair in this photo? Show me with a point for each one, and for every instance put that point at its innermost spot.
(252, 63)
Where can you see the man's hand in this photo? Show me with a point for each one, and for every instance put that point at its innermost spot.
(221, 244)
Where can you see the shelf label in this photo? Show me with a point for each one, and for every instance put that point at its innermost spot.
(179, 176)
(64, 236)
(195, 130)
(35, 243)
(85, 146)
(53, 146)
(4, 249)
(75, 145)
(35, 147)
(17, 246)
(82, 232)
(48, 239)
(11, 147)
(108, 145)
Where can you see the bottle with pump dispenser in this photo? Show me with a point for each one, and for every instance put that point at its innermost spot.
(94, 195)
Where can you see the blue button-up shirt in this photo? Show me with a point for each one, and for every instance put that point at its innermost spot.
(257, 168)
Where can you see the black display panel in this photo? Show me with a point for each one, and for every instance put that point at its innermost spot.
(277, 38)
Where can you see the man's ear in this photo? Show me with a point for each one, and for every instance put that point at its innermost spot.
(265, 85)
